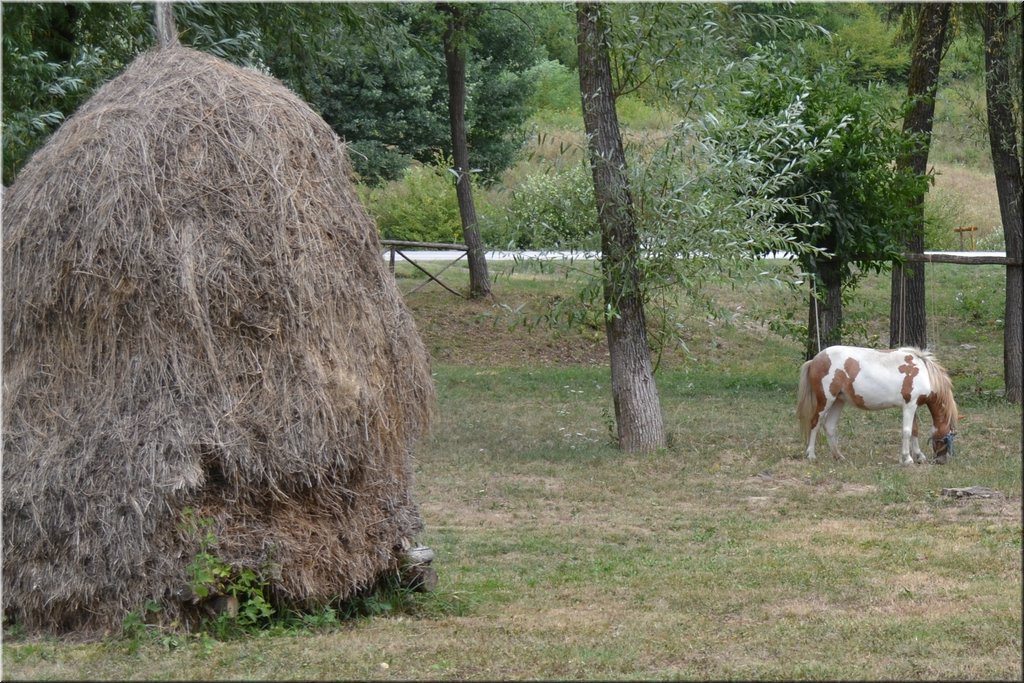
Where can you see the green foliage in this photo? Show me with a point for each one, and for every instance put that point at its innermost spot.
(942, 214)
(553, 27)
(555, 88)
(54, 57)
(28, 126)
(206, 573)
(639, 113)
(381, 96)
(421, 207)
(138, 630)
(374, 162)
(860, 35)
(209, 576)
(550, 210)
(502, 51)
(860, 201)
(382, 87)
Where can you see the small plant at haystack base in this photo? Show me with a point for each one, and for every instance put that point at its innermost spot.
(234, 599)
(137, 628)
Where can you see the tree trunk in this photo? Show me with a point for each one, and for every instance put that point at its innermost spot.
(635, 395)
(907, 321)
(1006, 163)
(825, 309)
(455, 67)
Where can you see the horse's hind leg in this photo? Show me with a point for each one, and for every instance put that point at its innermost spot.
(832, 427)
(812, 438)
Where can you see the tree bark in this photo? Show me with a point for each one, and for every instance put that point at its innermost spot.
(634, 393)
(907, 319)
(1006, 163)
(825, 309)
(455, 67)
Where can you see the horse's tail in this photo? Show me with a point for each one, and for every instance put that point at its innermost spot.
(806, 402)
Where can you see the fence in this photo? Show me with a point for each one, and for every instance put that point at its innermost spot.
(397, 247)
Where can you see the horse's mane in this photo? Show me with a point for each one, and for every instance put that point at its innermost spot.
(942, 386)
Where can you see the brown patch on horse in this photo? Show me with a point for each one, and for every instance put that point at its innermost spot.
(909, 371)
(852, 367)
(842, 382)
(816, 372)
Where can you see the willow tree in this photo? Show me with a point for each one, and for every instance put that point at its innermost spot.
(634, 393)
(711, 196)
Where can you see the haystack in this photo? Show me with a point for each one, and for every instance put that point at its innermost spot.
(198, 323)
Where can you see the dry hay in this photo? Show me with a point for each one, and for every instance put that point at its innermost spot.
(196, 315)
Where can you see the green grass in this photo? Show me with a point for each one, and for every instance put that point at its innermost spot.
(724, 556)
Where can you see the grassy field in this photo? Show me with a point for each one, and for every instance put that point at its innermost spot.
(725, 556)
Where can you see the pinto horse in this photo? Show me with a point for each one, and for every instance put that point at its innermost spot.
(873, 380)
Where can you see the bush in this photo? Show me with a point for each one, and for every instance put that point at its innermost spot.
(555, 87)
(549, 210)
(942, 211)
(421, 207)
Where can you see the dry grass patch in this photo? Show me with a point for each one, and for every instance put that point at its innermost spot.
(969, 196)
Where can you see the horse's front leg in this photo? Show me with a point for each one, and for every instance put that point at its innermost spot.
(909, 417)
(919, 456)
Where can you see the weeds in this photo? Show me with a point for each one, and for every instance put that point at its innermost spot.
(211, 577)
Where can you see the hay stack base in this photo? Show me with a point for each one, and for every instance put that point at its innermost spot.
(198, 325)
(417, 572)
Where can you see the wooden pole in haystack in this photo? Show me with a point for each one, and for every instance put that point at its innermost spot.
(163, 19)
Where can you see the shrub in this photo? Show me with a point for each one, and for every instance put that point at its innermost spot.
(375, 163)
(942, 211)
(421, 207)
(549, 210)
(555, 87)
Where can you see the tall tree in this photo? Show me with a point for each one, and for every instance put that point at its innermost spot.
(1006, 162)
(907, 322)
(634, 393)
(455, 67)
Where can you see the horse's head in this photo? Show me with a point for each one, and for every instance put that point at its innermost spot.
(942, 446)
